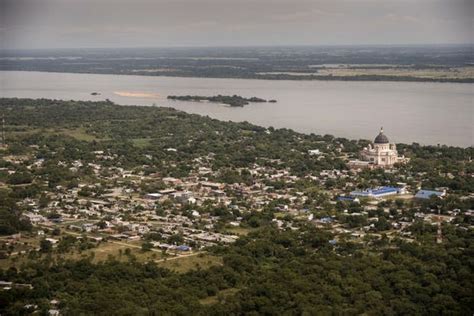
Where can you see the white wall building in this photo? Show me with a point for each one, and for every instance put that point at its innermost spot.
(382, 153)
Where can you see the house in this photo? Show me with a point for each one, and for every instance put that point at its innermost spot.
(348, 198)
(153, 196)
(358, 164)
(182, 196)
(326, 220)
(167, 191)
(52, 240)
(314, 152)
(426, 194)
(171, 180)
(118, 236)
(162, 245)
(34, 218)
(88, 227)
(143, 229)
(212, 185)
(183, 248)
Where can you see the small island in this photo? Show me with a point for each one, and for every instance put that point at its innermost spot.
(234, 101)
(95, 93)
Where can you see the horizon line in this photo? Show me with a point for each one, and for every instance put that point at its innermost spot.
(242, 46)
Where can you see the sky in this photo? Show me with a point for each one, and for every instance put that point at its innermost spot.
(173, 23)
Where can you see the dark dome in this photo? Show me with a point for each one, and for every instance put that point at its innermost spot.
(381, 138)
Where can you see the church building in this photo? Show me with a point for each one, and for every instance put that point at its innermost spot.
(382, 153)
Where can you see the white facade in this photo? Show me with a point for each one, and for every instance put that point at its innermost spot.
(382, 153)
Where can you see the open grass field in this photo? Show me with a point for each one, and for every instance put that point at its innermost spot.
(190, 262)
(141, 142)
(280, 215)
(79, 134)
(22, 130)
(456, 73)
(25, 242)
(107, 249)
(101, 253)
(241, 231)
(14, 261)
(435, 73)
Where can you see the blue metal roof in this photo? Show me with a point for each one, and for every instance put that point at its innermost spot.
(384, 190)
(377, 191)
(345, 198)
(326, 219)
(426, 194)
(183, 248)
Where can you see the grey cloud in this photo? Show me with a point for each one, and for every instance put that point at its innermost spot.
(119, 23)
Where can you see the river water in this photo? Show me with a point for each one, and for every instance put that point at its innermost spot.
(427, 113)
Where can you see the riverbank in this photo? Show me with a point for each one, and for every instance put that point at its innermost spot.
(426, 113)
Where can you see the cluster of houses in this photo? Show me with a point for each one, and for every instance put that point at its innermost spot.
(121, 205)
(125, 212)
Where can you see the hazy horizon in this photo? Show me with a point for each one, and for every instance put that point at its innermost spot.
(68, 24)
(244, 46)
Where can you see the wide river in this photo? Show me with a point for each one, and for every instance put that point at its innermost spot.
(427, 113)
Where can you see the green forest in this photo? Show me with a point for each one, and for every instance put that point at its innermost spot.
(272, 273)
(234, 100)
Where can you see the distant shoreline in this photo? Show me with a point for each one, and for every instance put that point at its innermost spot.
(362, 78)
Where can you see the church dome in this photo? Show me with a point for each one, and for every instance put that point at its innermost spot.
(381, 138)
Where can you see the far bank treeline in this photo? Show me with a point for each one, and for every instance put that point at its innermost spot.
(234, 100)
(437, 63)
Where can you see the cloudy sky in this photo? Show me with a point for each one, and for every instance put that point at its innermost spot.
(157, 23)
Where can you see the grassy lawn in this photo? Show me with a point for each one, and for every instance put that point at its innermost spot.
(107, 249)
(104, 250)
(452, 73)
(184, 264)
(280, 215)
(101, 253)
(26, 131)
(241, 231)
(79, 134)
(141, 142)
(26, 242)
(14, 261)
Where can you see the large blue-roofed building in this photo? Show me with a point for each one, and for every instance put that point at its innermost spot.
(377, 192)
